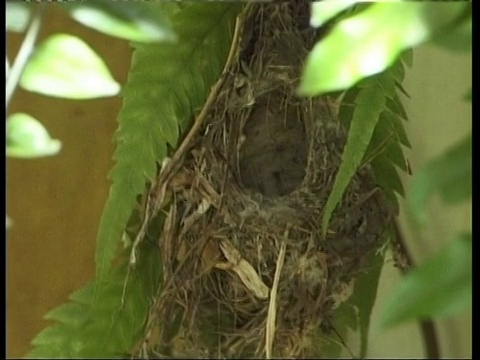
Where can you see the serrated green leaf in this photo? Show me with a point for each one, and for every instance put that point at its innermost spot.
(87, 328)
(50, 335)
(449, 174)
(370, 102)
(407, 57)
(17, 16)
(440, 287)
(27, 138)
(399, 109)
(322, 11)
(385, 140)
(393, 118)
(135, 21)
(367, 43)
(73, 313)
(166, 84)
(398, 71)
(386, 174)
(84, 294)
(65, 66)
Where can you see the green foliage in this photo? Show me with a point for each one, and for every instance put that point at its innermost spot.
(450, 175)
(65, 66)
(167, 83)
(363, 298)
(136, 21)
(370, 102)
(384, 151)
(440, 287)
(354, 314)
(106, 328)
(322, 11)
(459, 35)
(17, 16)
(369, 42)
(27, 138)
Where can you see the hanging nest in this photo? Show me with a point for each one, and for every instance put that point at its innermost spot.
(247, 272)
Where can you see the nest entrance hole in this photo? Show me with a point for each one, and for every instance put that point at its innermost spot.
(273, 156)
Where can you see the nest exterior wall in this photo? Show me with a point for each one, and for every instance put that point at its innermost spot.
(260, 175)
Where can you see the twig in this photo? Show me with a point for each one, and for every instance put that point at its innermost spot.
(272, 306)
(23, 55)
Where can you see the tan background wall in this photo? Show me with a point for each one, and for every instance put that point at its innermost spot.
(56, 202)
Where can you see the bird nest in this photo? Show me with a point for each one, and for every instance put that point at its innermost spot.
(247, 272)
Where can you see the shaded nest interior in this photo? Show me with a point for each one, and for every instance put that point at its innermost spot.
(248, 203)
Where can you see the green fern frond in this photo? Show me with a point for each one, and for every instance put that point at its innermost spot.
(369, 102)
(167, 83)
(108, 329)
(385, 147)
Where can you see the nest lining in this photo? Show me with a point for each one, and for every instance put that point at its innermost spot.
(254, 183)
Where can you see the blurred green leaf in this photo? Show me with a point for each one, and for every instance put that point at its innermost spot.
(322, 11)
(440, 287)
(367, 43)
(133, 20)
(65, 66)
(459, 37)
(27, 138)
(450, 175)
(468, 95)
(17, 16)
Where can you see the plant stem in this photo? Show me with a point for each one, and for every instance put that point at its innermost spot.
(23, 54)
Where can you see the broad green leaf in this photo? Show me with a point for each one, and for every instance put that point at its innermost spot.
(27, 138)
(440, 287)
(370, 102)
(65, 66)
(468, 95)
(134, 20)
(367, 43)
(105, 329)
(166, 84)
(322, 11)
(449, 174)
(17, 16)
